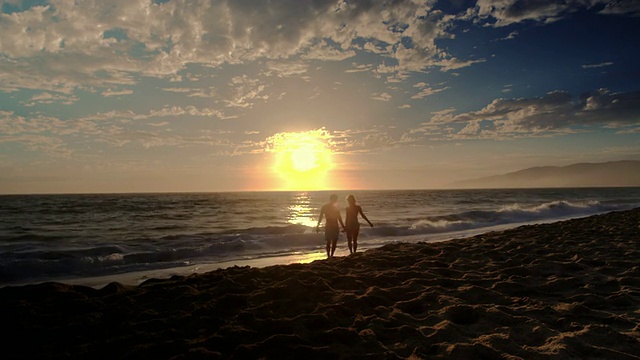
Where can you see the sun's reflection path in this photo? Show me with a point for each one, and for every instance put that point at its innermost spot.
(300, 210)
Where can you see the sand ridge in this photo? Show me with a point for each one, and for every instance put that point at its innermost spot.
(567, 290)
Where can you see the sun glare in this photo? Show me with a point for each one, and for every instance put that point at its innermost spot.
(302, 159)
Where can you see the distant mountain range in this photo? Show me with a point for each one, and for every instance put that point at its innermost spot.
(613, 173)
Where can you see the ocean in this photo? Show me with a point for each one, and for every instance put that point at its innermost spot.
(74, 238)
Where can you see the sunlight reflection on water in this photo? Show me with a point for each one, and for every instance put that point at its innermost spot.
(300, 210)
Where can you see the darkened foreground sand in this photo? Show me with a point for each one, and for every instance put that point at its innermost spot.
(568, 290)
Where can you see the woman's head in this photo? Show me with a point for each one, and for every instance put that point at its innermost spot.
(351, 199)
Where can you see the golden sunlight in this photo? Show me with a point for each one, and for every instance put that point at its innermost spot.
(302, 159)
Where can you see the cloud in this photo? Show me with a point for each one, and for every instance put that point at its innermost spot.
(557, 111)
(599, 65)
(350, 141)
(285, 69)
(62, 45)
(452, 63)
(204, 93)
(244, 91)
(110, 92)
(381, 96)
(630, 7)
(177, 89)
(183, 111)
(635, 130)
(51, 146)
(49, 98)
(107, 123)
(359, 68)
(151, 139)
(209, 92)
(500, 13)
(426, 90)
(159, 124)
(512, 35)
(325, 52)
(11, 124)
(623, 150)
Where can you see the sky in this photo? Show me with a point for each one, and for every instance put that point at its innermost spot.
(205, 95)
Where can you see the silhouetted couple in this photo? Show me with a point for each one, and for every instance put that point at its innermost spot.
(331, 213)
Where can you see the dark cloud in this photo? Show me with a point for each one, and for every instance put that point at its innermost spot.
(557, 110)
(506, 12)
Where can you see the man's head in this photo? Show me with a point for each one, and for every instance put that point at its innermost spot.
(333, 198)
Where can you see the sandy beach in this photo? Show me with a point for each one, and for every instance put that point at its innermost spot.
(565, 290)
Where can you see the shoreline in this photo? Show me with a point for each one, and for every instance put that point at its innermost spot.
(561, 290)
(135, 278)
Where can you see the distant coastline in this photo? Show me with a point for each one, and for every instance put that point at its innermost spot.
(624, 173)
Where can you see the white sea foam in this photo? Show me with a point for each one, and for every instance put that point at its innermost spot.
(80, 236)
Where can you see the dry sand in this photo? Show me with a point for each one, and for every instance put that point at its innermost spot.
(567, 290)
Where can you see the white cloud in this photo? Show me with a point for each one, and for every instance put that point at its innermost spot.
(599, 65)
(359, 68)
(68, 45)
(177, 89)
(381, 96)
(244, 91)
(159, 124)
(204, 93)
(49, 98)
(52, 146)
(183, 111)
(325, 52)
(512, 35)
(285, 69)
(426, 91)
(110, 92)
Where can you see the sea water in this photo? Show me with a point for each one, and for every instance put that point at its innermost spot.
(62, 237)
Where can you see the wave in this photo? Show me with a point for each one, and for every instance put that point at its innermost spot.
(30, 260)
(146, 254)
(510, 214)
(271, 230)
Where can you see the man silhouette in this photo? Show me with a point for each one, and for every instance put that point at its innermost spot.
(331, 212)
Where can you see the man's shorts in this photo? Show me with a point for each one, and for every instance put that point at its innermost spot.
(331, 233)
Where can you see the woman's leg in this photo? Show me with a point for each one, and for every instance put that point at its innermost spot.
(349, 239)
(355, 241)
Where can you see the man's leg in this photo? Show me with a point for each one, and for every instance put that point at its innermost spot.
(328, 248)
(334, 242)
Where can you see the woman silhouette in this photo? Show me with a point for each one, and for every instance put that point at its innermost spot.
(352, 227)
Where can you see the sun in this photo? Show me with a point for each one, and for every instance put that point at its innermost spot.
(302, 159)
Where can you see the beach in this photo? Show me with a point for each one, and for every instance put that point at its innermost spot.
(563, 290)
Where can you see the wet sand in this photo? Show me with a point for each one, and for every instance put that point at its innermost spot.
(566, 290)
